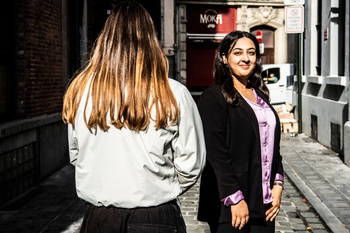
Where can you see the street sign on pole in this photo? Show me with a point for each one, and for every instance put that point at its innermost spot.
(294, 19)
(294, 16)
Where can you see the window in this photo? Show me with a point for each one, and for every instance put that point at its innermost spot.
(319, 37)
(339, 42)
(271, 76)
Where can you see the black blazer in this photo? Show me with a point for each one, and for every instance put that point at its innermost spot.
(233, 156)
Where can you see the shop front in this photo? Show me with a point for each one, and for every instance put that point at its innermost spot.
(206, 27)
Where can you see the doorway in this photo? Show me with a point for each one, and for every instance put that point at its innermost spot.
(267, 44)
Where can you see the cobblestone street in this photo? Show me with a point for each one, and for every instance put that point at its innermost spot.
(296, 214)
(55, 208)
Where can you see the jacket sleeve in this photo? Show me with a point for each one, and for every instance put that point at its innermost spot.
(213, 111)
(188, 145)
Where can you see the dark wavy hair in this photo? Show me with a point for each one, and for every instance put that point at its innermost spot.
(222, 72)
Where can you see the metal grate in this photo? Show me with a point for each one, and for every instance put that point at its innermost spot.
(17, 173)
(335, 137)
(314, 127)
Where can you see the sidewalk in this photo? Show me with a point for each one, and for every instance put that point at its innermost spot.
(56, 208)
(321, 176)
(315, 170)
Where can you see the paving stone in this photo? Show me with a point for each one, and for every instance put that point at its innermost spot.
(298, 227)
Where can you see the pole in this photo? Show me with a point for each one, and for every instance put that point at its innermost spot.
(300, 120)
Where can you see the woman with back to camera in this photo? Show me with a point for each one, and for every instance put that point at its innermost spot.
(241, 185)
(135, 136)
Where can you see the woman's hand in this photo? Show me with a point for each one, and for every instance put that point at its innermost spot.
(240, 214)
(274, 209)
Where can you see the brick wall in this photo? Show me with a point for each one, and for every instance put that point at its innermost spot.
(39, 57)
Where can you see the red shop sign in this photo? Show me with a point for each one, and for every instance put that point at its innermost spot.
(211, 19)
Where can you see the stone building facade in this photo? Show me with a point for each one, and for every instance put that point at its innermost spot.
(326, 69)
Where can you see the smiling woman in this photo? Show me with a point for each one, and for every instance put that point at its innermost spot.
(241, 185)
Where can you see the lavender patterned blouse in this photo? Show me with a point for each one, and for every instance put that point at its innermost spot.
(267, 124)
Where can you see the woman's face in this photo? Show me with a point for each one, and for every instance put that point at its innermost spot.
(242, 58)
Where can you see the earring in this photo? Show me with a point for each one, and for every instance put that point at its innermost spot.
(224, 59)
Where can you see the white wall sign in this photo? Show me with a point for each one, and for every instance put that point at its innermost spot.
(294, 2)
(294, 16)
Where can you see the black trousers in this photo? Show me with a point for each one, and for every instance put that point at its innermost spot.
(165, 218)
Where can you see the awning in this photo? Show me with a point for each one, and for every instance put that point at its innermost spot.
(193, 37)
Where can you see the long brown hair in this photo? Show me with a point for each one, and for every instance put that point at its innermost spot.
(129, 76)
